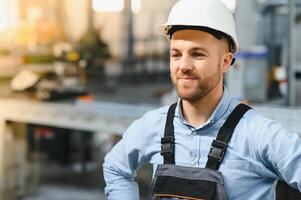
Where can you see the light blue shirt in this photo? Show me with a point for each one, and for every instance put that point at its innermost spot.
(260, 152)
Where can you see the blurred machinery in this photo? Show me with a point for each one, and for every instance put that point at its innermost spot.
(267, 68)
(247, 79)
(93, 51)
(283, 19)
(151, 64)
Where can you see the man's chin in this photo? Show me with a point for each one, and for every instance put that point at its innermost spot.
(190, 97)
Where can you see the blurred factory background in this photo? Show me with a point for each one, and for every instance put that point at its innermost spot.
(75, 73)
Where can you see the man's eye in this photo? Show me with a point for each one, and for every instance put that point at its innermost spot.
(175, 55)
(199, 55)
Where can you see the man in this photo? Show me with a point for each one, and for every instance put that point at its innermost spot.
(207, 145)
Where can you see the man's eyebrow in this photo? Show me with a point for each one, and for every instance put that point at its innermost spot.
(192, 49)
(199, 49)
(174, 49)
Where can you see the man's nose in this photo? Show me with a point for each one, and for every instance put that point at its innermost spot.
(185, 64)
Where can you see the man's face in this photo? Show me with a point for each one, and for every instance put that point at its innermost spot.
(198, 61)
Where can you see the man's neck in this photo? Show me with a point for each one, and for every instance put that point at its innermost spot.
(198, 112)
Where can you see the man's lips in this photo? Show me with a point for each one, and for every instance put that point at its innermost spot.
(186, 78)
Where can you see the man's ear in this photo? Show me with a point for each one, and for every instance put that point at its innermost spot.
(227, 61)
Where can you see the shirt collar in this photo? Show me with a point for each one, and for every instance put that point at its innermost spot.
(218, 112)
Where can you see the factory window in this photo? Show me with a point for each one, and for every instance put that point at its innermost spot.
(115, 5)
(108, 6)
(136, 6)
(9, 14)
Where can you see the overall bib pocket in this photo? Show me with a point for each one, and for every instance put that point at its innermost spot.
(191, 189)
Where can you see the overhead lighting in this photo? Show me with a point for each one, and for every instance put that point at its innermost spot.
(34, 13)
(136, 6)
(108, 5)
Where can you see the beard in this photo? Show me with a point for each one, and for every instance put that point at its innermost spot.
(197, 88)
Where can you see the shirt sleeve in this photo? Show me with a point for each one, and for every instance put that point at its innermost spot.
(122, 162)
(280, 151)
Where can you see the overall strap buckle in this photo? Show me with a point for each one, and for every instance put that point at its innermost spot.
(217, 150)
(219, 145)
(167, 145)
(167, 142)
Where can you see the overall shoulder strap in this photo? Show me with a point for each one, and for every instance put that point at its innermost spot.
(167, 142)
(219, 145)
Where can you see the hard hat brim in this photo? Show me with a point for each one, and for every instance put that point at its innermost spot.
(164, 29)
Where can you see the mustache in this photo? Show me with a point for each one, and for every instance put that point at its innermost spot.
(188, 75)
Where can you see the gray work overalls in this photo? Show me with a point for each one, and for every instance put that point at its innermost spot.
(190, 183)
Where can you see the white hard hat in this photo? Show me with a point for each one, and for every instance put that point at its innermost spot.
(210, 14)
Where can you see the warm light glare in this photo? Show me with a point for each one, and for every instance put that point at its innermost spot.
(34, 13)
(8, 14)
(108, 5)
(136, 6)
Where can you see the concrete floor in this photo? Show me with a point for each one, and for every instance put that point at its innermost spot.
(65, 192)
(68, 183)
